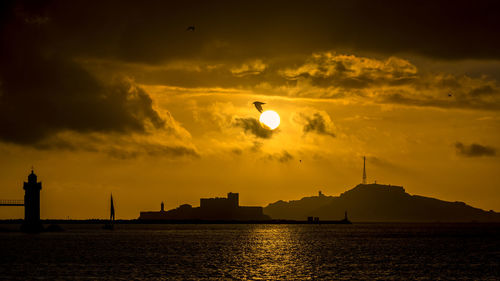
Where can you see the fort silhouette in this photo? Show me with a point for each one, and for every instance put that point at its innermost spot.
(210, 209)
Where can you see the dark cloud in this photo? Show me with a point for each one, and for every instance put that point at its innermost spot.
(58, 143)
(382, 162)
(253, 126)
(282, 157)
(392, 80)
(285, 157)
(388, 164)
(352, 72)
(122, 147)
(378, 161)
(245, 28)
(36, 103)
(462, 102)
(43, 90)
(153, 150)
(154, 32)
(256, 146)
(317, 124)
(483, 90)
(474, 150)
(237, 151)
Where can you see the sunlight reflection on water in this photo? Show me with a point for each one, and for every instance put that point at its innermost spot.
(254, 252)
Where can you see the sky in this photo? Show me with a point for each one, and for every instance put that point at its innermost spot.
(120, 97)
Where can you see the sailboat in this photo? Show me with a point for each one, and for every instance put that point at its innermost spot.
(110, 225)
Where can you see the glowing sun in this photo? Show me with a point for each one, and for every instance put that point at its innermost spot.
(270, 119)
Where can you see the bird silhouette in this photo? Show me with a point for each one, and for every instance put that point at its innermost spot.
(258, 105)
(450, 95)
(190, 28)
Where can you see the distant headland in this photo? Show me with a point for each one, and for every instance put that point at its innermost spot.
(379, 203)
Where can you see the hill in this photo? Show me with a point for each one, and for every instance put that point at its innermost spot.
(379, 203)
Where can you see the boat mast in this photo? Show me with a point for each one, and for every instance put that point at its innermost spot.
(112, 213)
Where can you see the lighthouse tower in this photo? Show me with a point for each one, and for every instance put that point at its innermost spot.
(32, 203)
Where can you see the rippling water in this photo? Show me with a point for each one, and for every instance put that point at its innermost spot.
(255, 252)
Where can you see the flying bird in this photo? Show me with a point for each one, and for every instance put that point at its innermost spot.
(258, 105)
(190, 28)
(449, 95)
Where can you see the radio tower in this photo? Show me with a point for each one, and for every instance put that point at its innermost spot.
(364, 170)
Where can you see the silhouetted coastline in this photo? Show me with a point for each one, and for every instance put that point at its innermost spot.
(137, 221)
(380, 203)
(194, 221)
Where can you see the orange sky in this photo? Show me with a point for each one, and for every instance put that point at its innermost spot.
(122, 99)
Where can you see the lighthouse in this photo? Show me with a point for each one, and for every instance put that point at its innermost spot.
(32, 204)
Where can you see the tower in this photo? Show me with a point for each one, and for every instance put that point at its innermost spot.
(32, 202)
(364, 170)
(233, 199)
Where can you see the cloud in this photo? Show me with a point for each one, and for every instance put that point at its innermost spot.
(253, 126)
(119, 146)
(460, 101)
(237, 151)
(41, 102)
(248, 53)
(255, 147)
(51, 66)
(217, 114)
(483, 90)
(352, 72)
(153, 150)
(37, 20)
(381, 162)
(282, 157)
(386, 28)
(329, 75)
(317, 122)
(251, 68)
(474, 150)
(43, 91)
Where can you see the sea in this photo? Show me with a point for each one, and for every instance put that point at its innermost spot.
(390, 251)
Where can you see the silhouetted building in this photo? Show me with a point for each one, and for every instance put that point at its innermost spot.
(32, 203)
(232, 201)
(210, 209)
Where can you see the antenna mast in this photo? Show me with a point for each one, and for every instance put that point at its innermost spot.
(364, 170)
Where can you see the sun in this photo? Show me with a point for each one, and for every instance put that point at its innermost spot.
(270, 119)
